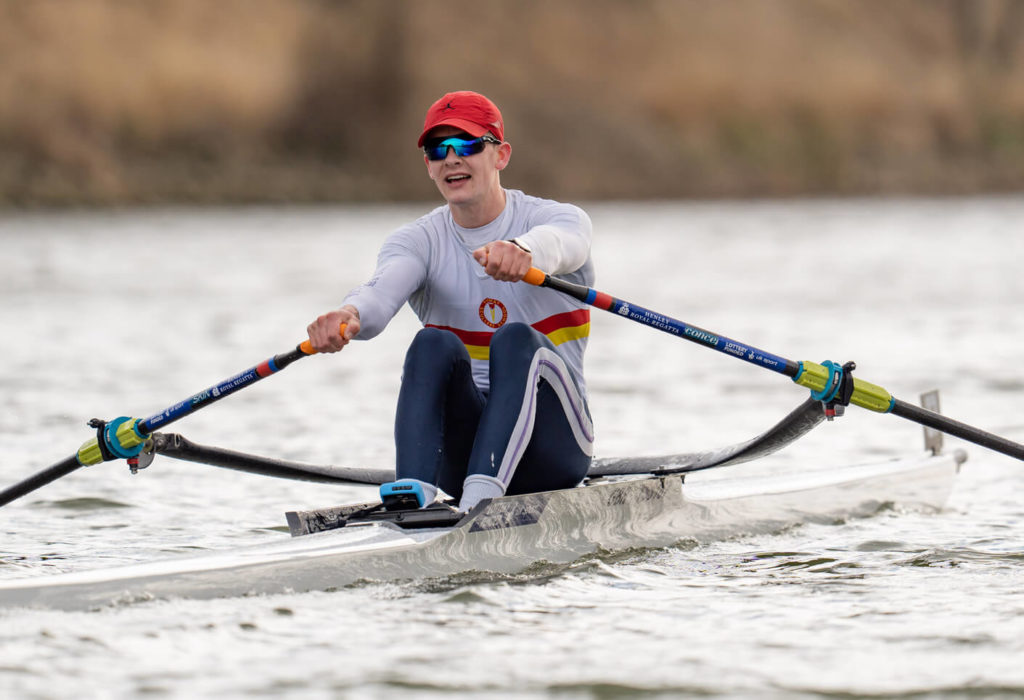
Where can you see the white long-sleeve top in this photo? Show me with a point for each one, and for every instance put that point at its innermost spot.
(429, 263)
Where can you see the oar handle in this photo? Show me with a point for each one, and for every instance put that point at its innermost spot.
(535, 277)
(306, 347)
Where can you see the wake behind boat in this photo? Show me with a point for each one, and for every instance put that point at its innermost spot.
(678, 498)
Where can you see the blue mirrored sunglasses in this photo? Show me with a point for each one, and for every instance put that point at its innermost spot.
(438, 150)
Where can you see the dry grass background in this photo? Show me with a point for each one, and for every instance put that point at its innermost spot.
(117, 101)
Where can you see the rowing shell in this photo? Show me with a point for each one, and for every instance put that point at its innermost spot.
(507, 535)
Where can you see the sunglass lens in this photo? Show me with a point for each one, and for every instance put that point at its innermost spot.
(462, 148)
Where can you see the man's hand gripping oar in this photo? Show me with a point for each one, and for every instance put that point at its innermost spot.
(125, 438)
(832, 384)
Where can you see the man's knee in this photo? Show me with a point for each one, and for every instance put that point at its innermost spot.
(516, 339)
(434, 346)
(515, 333)
(435, 338)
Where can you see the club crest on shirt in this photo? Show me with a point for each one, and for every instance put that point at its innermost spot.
(493, 313)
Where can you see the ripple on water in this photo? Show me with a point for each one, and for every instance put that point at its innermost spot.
(902, 605)
(85, 504)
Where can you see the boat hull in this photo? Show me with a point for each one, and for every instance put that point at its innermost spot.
(509, 534)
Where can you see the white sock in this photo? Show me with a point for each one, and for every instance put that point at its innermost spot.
(429, 491)
(477, 487)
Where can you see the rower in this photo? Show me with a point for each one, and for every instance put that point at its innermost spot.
(493, 399)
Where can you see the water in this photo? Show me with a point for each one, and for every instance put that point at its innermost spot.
(127, 313)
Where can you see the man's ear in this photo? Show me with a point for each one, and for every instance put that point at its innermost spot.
(504, 155)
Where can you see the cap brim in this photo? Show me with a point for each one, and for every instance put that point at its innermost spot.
(469, 127)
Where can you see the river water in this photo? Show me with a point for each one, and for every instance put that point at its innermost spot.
(125, 313)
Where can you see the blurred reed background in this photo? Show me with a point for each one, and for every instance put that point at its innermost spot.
(108, 102)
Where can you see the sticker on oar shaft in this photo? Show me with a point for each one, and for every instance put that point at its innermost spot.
(699, 335)
(214, 393)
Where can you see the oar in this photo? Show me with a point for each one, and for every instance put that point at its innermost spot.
(123, 438)
(829, 382)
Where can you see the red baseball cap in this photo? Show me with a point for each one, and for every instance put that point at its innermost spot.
(469, 111)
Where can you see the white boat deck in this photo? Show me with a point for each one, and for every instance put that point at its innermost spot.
(511, 533)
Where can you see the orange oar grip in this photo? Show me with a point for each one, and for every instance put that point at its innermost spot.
(534, 276)
(307, 348)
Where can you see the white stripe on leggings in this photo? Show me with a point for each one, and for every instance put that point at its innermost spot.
(547, 365)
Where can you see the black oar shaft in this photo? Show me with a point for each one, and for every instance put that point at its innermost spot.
(39, 480)
(957, 429)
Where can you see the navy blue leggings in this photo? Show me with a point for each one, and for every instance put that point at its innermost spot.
(532, 431)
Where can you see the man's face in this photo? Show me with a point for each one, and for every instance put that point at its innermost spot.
(465, 180)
